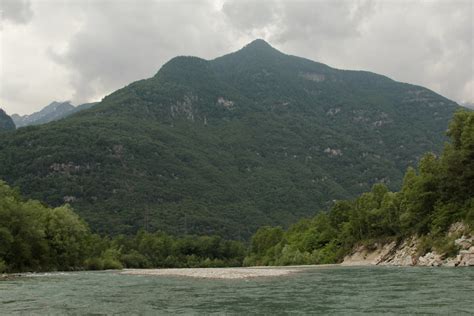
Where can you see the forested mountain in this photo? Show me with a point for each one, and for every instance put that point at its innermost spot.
(52, 112)
(6, 122)
(224, 146)
(433, 197)
(436, 197)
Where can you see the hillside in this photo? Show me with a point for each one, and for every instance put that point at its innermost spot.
(52, 112)
(429, 221)
(256, 137)
(6, 122)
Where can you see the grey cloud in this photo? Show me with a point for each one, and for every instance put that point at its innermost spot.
(292, 21)
(248, 15)
(121, 42)
(333, 20)
(426, 43)
(16, 11)
(96, 47)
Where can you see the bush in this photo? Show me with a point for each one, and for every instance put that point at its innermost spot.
(111, 259)
(3, 266)
(250, 261)
(446, 246)
(425, 245)
(112, 264)
(94, 264)
(135, 259)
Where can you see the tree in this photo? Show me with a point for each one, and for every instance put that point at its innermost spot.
(265, 238)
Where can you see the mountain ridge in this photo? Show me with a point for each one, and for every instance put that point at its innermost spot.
(223, 146)
(6, 122)
(52, 112)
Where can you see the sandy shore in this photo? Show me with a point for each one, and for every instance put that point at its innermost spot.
(223, 273)
(214, 273)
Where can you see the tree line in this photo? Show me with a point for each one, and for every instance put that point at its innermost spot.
(34, 237)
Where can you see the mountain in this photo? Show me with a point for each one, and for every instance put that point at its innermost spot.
(6, 122)
(52, 112)
(469, 105)
(252, 138)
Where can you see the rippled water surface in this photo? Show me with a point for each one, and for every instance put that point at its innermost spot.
(334, 290)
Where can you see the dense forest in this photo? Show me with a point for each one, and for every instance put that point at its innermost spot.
(224, 146)
(438, 194)
(34, 237)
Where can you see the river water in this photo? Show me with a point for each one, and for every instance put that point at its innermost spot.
(331, 290)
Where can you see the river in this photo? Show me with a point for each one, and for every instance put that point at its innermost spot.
(329, 290)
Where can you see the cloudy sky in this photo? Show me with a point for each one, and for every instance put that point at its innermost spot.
(82, 50)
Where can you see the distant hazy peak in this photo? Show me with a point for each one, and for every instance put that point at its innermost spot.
(469, 105)
(53, 106)
(52, 112)
(58, 103)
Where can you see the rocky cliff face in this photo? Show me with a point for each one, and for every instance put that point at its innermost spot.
(409, 253)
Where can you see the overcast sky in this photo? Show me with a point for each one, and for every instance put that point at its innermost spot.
(82, 50)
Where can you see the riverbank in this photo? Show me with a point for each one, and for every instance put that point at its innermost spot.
(407, 253)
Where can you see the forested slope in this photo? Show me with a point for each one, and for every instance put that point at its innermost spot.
(439, 193)
(256, 137)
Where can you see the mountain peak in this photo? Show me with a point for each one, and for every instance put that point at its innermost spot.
(222, 140)
(259, 45)
(52, 112)
(56, 104)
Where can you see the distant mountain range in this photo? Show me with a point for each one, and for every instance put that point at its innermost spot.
(6, 122)
(469, 105)
(52, 112)
(224, 146)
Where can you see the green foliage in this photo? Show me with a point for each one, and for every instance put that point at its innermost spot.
(111, 259)
(429, 202)
(34, 237)
(223, 147)
(146, 250)
(3, 266)
(134, 259)
(265, 238)
(446, 246)
(37, 238)
(93, 264)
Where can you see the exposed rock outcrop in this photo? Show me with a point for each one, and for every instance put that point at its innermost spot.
(407, 252)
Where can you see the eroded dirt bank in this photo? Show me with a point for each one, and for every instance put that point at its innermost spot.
(407, 252)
